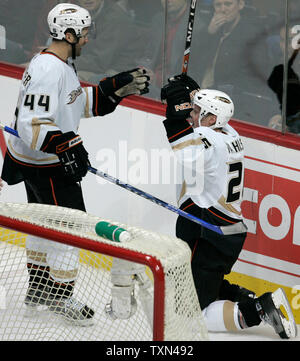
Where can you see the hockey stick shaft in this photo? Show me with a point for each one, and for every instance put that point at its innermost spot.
(155, 200)
(223, 230)
(189, 34)
(9, 130)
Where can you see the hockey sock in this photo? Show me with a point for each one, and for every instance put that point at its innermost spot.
(249, 311)
(38, 275)
(61, 290)
(234, 293)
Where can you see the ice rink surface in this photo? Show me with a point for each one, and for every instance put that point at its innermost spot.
(42, 326)
(258, 333)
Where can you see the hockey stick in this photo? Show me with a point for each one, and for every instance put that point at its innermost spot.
(9, 130)
(223, 230)
(189, 34)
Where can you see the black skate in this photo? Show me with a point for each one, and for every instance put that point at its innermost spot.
(72, 311)
(268, 305)
(38, 299)
(244, 294)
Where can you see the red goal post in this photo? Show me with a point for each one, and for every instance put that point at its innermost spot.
(176, 310)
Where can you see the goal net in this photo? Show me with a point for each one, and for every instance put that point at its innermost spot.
(174, 308)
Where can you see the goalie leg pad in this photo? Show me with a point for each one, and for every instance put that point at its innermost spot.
(123, 304)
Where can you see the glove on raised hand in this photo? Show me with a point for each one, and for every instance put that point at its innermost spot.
(178, 94)
(71, 153)
(119, 86)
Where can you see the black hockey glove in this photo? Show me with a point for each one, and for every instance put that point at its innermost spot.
(119, 86)
(71, 153)
(178, 94)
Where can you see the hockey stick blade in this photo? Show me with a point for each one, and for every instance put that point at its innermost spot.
(239, 227)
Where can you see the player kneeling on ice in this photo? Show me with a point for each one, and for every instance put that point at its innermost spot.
(211, 155)
(49, 157)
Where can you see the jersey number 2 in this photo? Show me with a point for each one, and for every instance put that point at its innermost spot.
(232, 194)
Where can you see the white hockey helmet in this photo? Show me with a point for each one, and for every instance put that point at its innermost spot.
(215, 102)
(68, 16)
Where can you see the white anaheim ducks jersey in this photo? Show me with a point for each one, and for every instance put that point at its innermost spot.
(50, 99)
(216, 161)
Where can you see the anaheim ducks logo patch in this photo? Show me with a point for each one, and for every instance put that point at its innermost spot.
(74, 95)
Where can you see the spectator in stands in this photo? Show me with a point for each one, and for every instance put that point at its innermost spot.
(273, 38)
(144, 14)
(144, 10)
(20, 25)
(13, 52)
(113, 48)
(41, 38)
(276, 81)
(168, 36)
(232, 57)
(118, 41)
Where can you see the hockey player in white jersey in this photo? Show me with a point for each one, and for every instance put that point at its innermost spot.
(210, 149)
(49, 157)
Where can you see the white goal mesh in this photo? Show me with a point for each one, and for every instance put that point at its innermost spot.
(176, 310)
